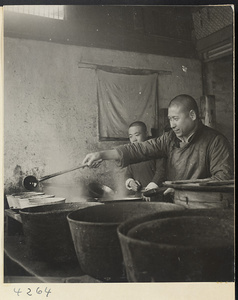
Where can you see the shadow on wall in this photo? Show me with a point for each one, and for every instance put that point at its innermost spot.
(15, 184)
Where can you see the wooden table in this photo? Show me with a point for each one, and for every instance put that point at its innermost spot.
(15, 249)
(39, 271)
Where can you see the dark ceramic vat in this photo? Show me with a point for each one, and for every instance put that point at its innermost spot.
(179, 246)
(47, 233)
(95, 237)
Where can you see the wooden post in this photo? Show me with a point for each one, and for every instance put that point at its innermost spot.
(208, 110)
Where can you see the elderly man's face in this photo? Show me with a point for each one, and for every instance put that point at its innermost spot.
(181, 121)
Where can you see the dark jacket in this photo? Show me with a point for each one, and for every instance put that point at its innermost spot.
(147, 171)
(206, 155)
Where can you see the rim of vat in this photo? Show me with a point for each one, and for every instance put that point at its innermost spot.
(181, 208)
(162, 215)
(55, 210)
(91, 223)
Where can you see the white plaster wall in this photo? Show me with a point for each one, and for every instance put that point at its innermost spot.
(51, 112)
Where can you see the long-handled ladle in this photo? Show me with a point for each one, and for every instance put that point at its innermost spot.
(31, 182)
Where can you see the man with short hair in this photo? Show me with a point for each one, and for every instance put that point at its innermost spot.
(146, 174)
(193, 150)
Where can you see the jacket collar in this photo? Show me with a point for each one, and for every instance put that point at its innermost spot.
(191, 138)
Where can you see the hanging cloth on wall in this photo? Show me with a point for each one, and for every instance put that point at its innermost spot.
(124, 99)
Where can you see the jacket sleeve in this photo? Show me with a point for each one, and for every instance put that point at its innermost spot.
(128, 176)
(128, 173)
(160, 172)
(220, 159)
(137, 152)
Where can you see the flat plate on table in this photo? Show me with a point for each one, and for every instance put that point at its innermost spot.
(39, 197)
(24, 195)
(50, 200)
(200, 187)
(37, 200)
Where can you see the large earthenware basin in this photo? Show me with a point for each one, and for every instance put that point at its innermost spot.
(47, 233)
(95, 237)
(179, 246)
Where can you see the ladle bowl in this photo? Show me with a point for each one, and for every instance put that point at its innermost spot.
(31, 182)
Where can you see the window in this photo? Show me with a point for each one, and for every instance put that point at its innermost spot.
(48, 11)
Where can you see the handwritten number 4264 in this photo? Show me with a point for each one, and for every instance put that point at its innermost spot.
(30, 291)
